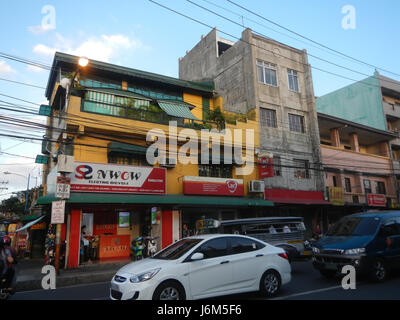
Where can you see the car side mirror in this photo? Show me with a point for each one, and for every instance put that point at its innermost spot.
(197, 256)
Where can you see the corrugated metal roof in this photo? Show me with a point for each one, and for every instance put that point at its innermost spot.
(177, 109)
(203, 87)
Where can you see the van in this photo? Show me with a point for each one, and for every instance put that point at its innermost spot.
(285, 232)
(368, 241)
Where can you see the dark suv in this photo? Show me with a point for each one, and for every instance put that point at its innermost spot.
(368, 241)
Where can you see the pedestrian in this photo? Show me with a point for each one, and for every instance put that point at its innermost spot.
(185, 231)
(84, 243)
(7, 271)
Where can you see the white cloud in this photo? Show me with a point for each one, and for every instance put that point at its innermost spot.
(5, 68)
(44, 50)
(101, 48)
(40, 29)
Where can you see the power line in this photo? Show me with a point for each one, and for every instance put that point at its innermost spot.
(22, 83)
(313, 41)
(239, 39)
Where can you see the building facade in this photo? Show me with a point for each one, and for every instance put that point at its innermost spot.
(373, 102)
(106, 120)
(357, 167)
(256, 73)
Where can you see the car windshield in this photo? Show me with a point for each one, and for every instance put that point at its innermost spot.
(177, 250)
(354, 227)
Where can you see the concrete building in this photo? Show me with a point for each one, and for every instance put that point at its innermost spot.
(372, 102)
(257, 73)
(357, 165)
(103, 123)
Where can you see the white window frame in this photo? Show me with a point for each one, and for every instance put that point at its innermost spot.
(266, 65)
(294, 74)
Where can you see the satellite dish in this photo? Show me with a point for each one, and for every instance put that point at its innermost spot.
(65, 82)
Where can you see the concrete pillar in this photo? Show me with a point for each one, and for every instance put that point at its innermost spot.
(354, 142)
(74, 238)
(335, 137)
(384, 149)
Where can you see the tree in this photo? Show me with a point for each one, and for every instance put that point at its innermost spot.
(13, 206)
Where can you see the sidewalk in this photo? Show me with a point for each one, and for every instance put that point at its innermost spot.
(29, 276)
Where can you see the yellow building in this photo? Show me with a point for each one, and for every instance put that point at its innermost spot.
(134, 146)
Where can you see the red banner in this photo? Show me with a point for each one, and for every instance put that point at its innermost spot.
(213, 186)
(266, 168)
(376, 200)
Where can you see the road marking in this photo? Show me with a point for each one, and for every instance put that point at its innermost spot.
(307, 292)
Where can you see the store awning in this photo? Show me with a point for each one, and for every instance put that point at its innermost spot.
(295, 197)
(119, 147)
(30, 224)
(177, 109)
(180, 200)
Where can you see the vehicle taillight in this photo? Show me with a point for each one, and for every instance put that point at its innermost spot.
(283, 255)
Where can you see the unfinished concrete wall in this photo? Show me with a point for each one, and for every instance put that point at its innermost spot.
(235, 76)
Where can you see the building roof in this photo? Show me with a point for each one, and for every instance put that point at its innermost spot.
(63, 59)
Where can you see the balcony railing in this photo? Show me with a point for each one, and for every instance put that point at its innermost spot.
(142, 114)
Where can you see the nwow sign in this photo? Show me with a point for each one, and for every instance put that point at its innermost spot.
(97, 177)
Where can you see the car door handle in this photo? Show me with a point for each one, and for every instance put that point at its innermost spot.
(223, 262)
(259, 255)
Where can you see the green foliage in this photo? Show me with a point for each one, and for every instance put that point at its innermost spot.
(218, 117)
(12, 205)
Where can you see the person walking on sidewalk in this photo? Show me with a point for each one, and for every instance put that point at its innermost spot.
(6, 264)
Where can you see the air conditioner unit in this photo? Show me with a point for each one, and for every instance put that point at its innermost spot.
(169, 163)
(65, 163)
(256, 186)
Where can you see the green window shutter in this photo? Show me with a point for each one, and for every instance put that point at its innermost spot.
(205, 107)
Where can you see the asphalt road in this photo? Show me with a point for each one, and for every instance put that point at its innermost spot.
(306, 284)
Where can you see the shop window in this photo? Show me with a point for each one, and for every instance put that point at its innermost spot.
(215, 170)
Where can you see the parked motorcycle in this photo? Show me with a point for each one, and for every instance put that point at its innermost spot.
(137, 248)
(151, 245)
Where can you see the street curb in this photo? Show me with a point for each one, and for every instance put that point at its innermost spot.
(66, 280)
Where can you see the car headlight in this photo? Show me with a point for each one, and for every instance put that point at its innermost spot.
(144, 276)
(355, 251)
(316, 250)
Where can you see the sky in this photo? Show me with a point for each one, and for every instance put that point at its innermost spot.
(142, 35)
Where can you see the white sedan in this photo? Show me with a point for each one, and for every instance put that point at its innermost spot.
(204, 266)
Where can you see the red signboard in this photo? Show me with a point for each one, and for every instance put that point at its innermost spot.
(295, 196)
(376, 200)
(266, 168)
(114, 247)
(213, 186)
(96, 177)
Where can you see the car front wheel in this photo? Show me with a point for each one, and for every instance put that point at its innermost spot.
(270, 283)
(169, 290)
(378, 271)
